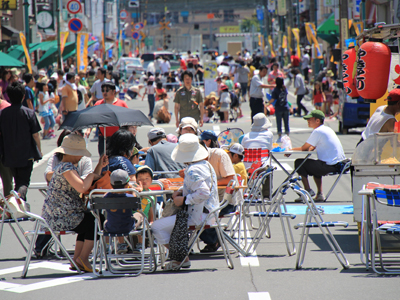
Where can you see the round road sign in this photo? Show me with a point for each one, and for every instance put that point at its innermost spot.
(123, 14)
(141, 25)
(137, 26)
(74, 6)
(75, 25)
(135, 35)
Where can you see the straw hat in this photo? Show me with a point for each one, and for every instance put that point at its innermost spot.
(73, 144)
(260, 122)
(189, 150)
(213, 95)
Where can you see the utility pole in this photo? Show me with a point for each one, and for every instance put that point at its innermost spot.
(104, 27)
(27, 31)
(344, 28)
(119, 25)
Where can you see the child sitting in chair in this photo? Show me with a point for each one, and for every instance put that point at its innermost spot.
(236, 153)
(119, 220)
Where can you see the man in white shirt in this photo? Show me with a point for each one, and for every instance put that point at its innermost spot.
(96, 88)
(305, 62)
(256, 92)
(165, 66)
(329, 151)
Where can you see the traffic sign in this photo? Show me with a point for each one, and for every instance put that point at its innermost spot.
(137, 26)
(164, 25)
(135, 35)
(75, 25)
(74, 6)
(141, 25)
(133, 3)
(123, 14)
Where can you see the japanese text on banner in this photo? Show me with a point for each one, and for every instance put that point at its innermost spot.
(82, 51)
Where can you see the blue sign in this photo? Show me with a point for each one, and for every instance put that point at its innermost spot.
(135, 35)
(260, 14)
(135, 15)
(184, 14)
(75, 25)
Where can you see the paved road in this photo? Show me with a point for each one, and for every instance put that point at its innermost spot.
(269, 274)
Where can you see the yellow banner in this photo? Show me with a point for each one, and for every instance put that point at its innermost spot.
(63, 40)
(271, 46)
(229, 29)
(284, 42)
(358, 27)
(82, 51)
(289, 37)
(296, 33)
(28, 58)
(103, 43)
(312, 38)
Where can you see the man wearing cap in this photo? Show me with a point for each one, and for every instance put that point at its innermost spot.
(329, 151)
(236, 153)
(383, 119)
(188, 101)
(158, 157)
(256, 92)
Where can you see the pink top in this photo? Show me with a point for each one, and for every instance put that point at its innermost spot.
(4, 104)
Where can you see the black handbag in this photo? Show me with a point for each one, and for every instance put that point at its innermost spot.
(179, 241)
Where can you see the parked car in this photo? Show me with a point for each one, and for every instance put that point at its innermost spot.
(153, 56)
(126, 65)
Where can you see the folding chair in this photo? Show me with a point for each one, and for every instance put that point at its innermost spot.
(12, 219)
(313, 219)
(120, 264)
(389, 258)
(344, 168)
(229, 137)
(196, 230)
(39, 224)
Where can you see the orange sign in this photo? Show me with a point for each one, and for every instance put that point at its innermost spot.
(210, 16)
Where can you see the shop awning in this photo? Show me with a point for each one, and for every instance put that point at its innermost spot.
(8, 61)
(329, 31)
(9, 31)
(18, 51)
(51, 55)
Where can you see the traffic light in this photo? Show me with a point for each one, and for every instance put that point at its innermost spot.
(196, 26)
(165, 47)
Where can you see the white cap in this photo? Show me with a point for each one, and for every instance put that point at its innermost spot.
(42, 73)
(237, 148)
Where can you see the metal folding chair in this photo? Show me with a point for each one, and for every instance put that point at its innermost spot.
(41, 223)
(388, 259)
(12, 220)
(120, 264)
(344, 169)
(313, 219)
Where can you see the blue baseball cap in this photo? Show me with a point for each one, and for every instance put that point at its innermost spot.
(208, 135)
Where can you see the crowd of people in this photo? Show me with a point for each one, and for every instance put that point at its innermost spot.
(192, 154)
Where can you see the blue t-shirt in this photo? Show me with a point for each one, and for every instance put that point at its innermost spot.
(281, 103)
(120, 162)
(29, 95)
(119, 220)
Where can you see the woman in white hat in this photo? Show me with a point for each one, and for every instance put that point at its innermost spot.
(199, 191)
(259, 136)
(63, 207)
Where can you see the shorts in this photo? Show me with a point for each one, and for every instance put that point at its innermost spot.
(318, 104)
(224, 107)
(312, 167)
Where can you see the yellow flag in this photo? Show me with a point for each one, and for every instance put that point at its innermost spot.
(103, 43)
(358, 27)
(63, 40)
(284, 42)
(271, 46)
(82, 51)
(289, 37)
(296, 33)
(28, 58)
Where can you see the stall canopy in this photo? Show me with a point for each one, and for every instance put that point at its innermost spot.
(8, 61)
(18, 51)
(51, 55)
(329, 31)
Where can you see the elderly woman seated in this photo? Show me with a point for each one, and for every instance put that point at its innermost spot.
(199, 192)
(63, 207)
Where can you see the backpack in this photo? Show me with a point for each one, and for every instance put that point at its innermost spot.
(282, 98)
(234, 99)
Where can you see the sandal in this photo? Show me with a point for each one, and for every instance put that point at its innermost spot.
(83, 267)
(174, 265)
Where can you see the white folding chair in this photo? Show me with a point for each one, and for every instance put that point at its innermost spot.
(388, 258)
(12, 219)
(41, 224)
(120, 264)
(313, 219)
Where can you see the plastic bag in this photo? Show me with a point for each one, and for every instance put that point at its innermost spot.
(286, 142)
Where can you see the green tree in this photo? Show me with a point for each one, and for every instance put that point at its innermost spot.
(247, 25)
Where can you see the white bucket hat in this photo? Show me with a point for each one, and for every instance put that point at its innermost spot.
(187, 122)
(260, 122)
(73, 144)
(189, 150)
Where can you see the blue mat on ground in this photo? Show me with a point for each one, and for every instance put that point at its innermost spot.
(328, 209)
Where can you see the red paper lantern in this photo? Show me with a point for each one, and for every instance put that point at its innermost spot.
(373, 69)
(349, 58)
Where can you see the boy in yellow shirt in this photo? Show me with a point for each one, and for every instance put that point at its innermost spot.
(236, 153)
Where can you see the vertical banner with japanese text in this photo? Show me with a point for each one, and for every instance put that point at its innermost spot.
(82, 51)
(28, 58)
(296, 33)
(63, 40)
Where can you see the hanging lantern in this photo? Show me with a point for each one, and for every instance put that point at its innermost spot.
(349, 83)
(373, 69)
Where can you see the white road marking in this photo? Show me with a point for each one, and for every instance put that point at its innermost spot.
(285, 165)
(251, 260)
(23, 288)
(217, 129)
(259, 296)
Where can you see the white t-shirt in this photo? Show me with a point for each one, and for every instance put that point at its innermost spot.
(378, 119)
(255, 89)
(83, 91)
(258, 139)
(165, 66)
(305, 61)
(327, 144)
(96, 88)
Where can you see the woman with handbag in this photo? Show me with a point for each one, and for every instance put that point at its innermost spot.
(199, 193)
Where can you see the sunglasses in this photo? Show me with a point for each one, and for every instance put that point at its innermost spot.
(105, 90)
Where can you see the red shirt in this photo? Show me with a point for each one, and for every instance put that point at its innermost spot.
(111, 129)
(295, 61)
(183, 65)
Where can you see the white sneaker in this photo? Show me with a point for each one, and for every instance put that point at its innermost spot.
(319, 198)
(300, 200)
